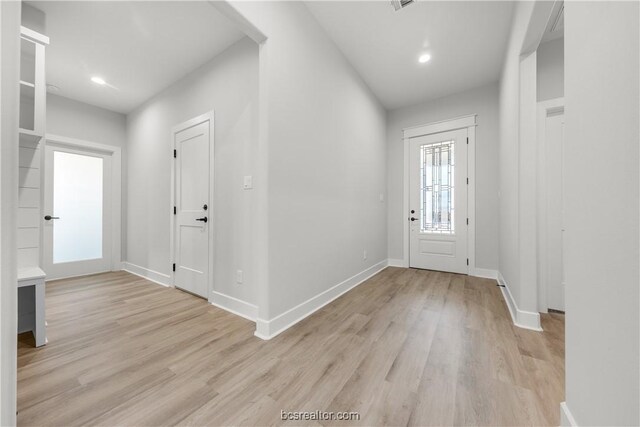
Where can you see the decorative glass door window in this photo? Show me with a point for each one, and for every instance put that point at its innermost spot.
(436, 188)
(77, 204)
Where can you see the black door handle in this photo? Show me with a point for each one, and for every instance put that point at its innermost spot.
(49, 217)
(203, 219)
(414, 219)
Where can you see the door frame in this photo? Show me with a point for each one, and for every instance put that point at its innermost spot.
(544, 108)
(208, 116)
(463, 122)
(116, 189)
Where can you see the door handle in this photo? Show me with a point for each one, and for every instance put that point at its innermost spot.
(203, 219)
(49, 217)
(414, 219)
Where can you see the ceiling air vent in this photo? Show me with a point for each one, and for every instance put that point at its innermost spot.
(399, 4)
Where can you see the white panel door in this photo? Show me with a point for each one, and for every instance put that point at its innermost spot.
(193, 209)
(554, 140)
(77, 212)
(438, 202)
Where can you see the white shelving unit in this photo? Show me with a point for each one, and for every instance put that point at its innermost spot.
(33, 90)
(33, 108)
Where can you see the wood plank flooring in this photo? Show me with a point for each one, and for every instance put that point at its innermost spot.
(407, 347)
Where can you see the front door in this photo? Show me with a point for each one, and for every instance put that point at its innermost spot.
(77, 212)
(192, 208)
(438, 202)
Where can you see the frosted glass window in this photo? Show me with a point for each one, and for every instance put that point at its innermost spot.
(77, 201)
(436, 188)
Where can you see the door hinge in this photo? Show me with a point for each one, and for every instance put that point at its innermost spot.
(175, 154)
(174, 267)
(467, 140)
(174, 210)
(467, 221)
(467, 181)
(467, 261)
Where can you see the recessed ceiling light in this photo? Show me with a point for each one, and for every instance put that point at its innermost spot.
(98, 80)
(425, 57)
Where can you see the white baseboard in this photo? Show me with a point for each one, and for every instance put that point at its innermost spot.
(566, 417)
(267, 329)
(234, 305)
(153, 276)
(396, 262)
(521, 318)
(485, 273)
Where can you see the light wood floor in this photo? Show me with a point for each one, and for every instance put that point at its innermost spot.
(406, 347)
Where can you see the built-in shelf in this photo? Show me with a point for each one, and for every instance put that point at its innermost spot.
(33, 90)
(29, 135)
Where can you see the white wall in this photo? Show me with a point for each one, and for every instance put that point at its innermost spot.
(602, 209)
(550, 70)
(517, 200)
(482, 101)
(74, 119)
(508, 152)
(9, 95)
(229, 85)
(325, 142)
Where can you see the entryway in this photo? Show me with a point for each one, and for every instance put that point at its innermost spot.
(81, 208)
(440, 204)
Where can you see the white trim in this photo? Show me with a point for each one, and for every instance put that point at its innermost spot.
(234, 305)
(242, 23)
(208, 116)
(522, 319)
(471, 198)
(566, 417)
(116, 189)
(267, 329)
(544, 108)
(81, 143)
(392, 262)
(469, 122)
(441, 126)
(145, 273)
(33, 36)
(485, 273)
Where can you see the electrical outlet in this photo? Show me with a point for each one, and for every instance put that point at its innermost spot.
(239, 276)
(364, 255)
(248, 182)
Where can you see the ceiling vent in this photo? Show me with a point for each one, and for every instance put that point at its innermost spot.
(400, 4)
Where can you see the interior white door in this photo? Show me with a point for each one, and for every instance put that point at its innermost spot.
(554, 140)
(438, 202)
(192, 208)
(77, 212)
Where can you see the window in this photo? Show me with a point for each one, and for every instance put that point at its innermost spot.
(436, 188)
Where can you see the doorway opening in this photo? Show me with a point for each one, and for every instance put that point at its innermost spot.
(81, 235)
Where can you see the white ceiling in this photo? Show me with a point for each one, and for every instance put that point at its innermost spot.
(138, 48)
(466, 40)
